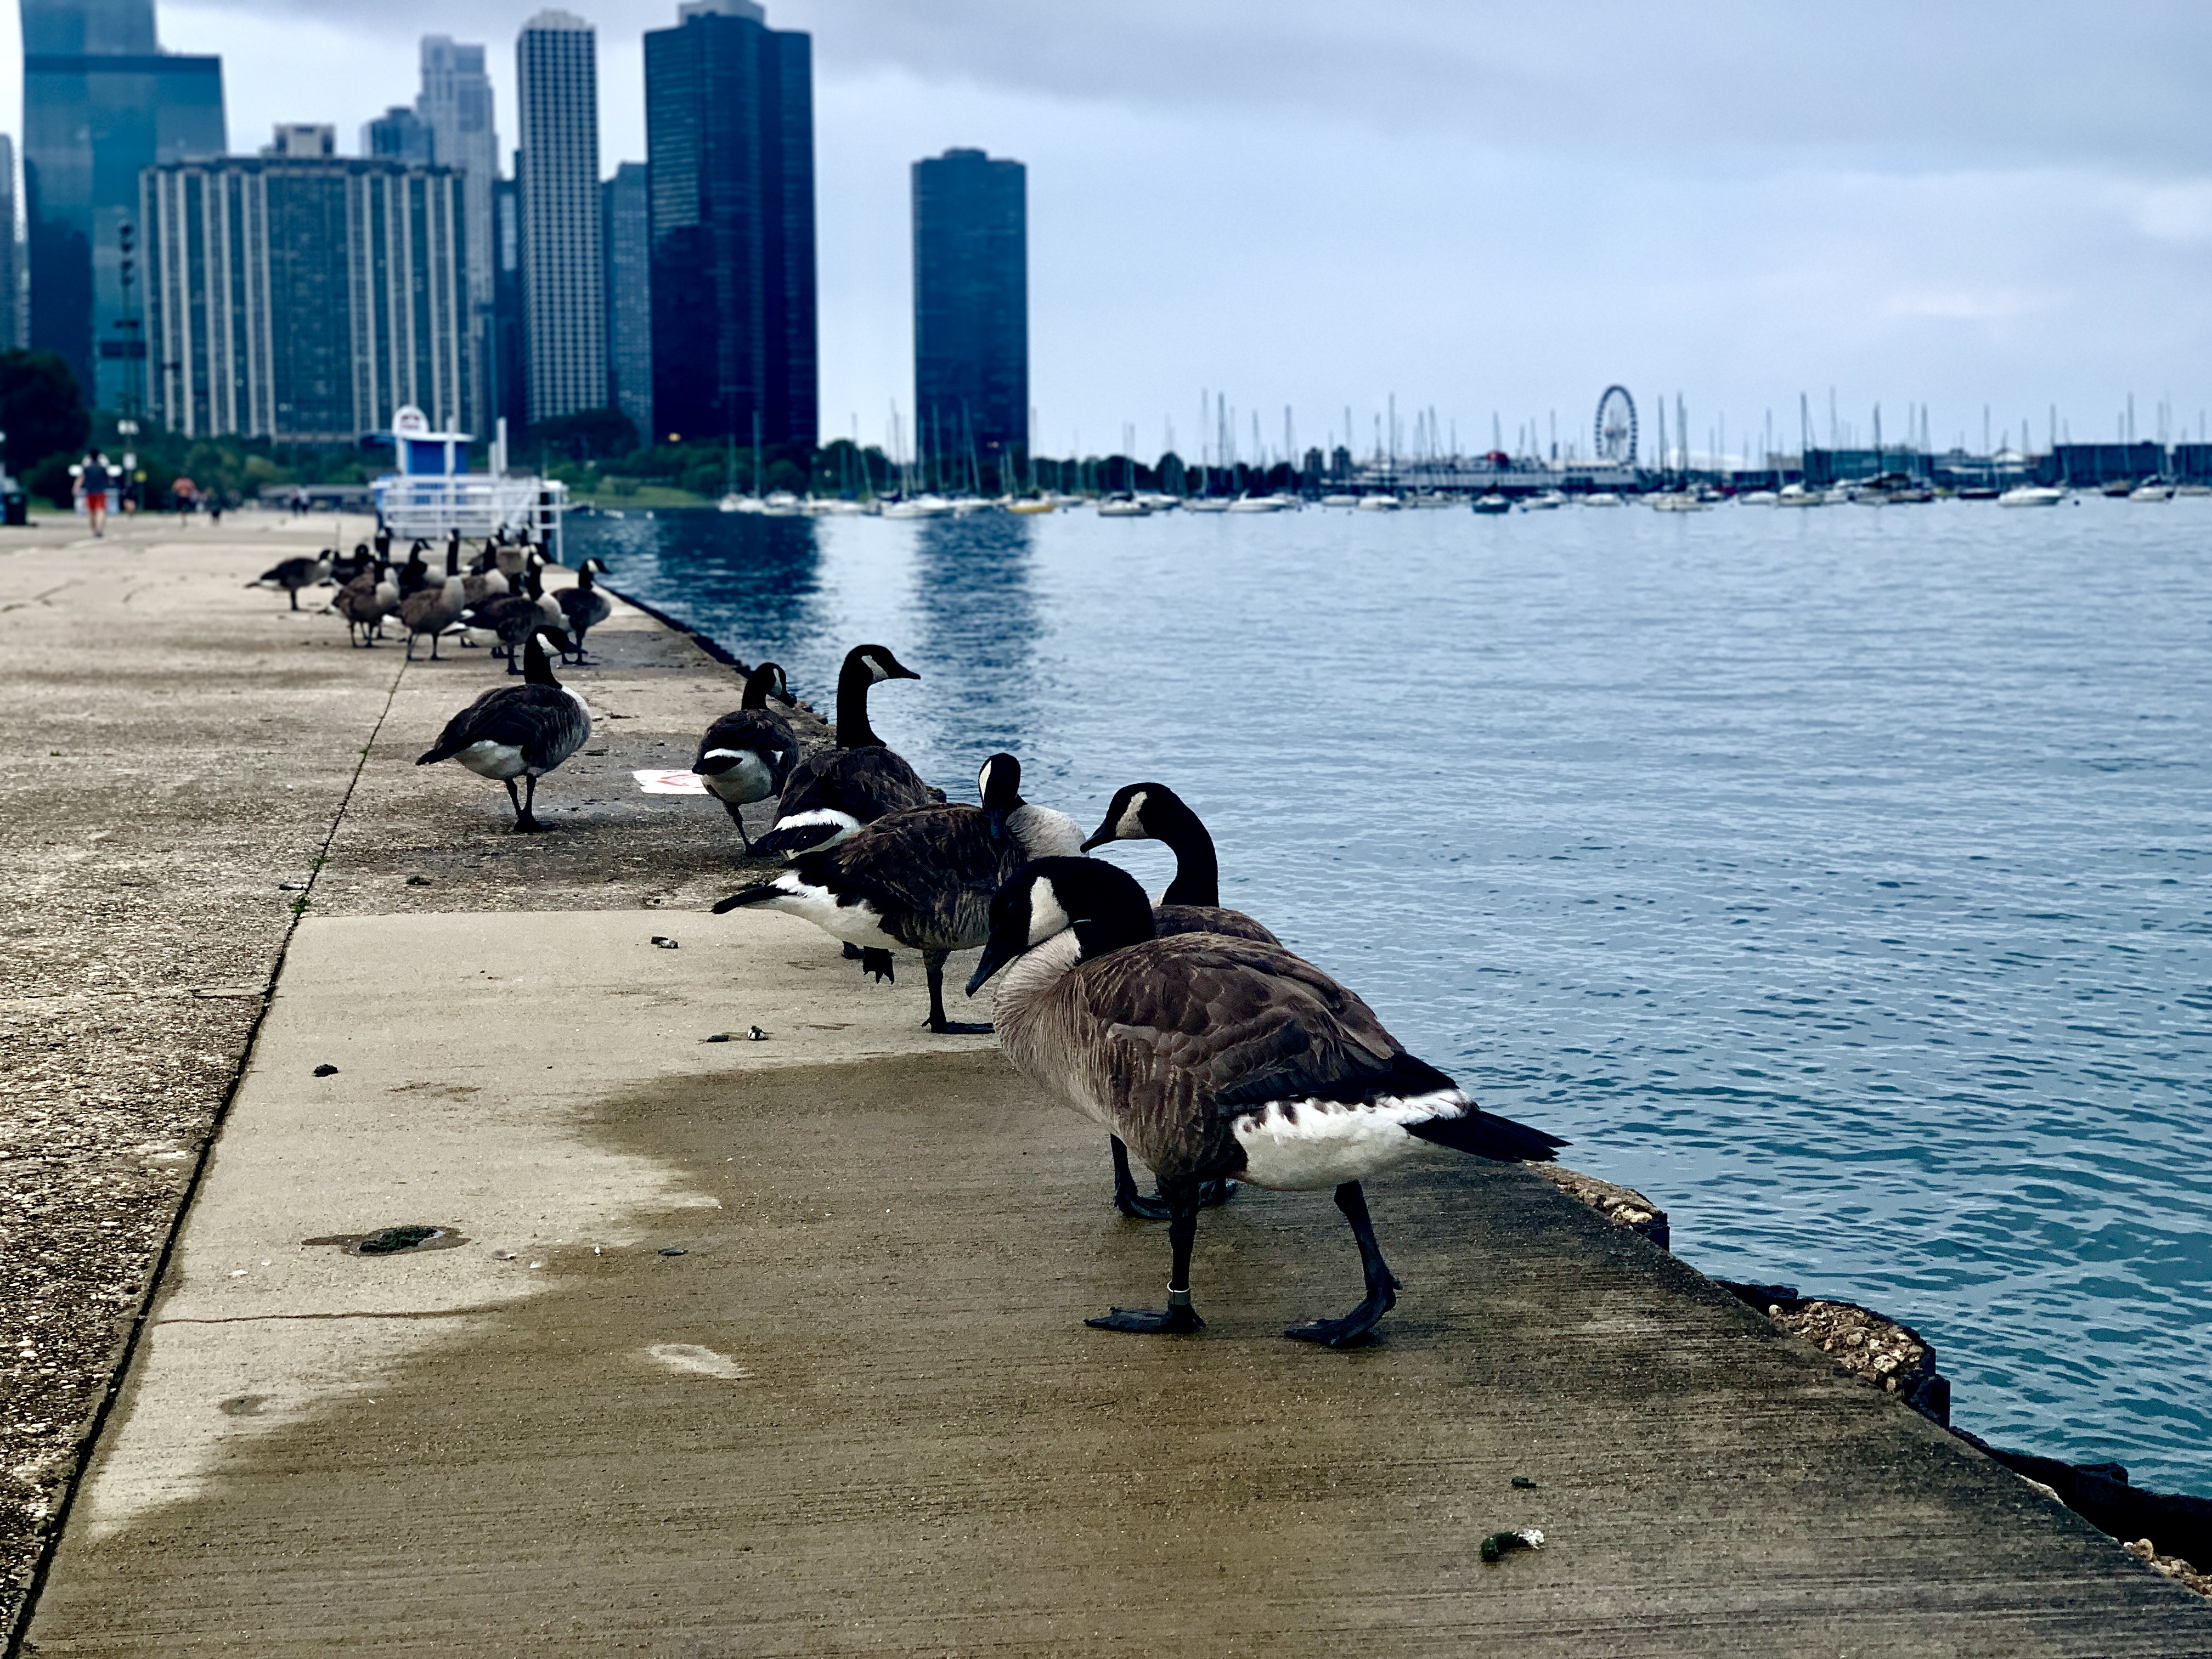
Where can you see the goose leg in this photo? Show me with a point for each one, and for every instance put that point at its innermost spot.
(933, 962)
(527, 824)
(514, 800)
(1134, 1205)
(1178, 1315)
(1382, 1282)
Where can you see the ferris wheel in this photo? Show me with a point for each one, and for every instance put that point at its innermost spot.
(1616, 427)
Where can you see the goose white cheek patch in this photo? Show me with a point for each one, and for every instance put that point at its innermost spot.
(1046, 917)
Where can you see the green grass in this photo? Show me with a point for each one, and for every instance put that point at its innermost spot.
(644, 496)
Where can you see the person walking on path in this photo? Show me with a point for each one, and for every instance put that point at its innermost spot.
(93, 483)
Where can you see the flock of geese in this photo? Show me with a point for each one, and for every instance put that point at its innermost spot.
(1187, 1031)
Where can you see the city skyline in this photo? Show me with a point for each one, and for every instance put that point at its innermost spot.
(1513, 230)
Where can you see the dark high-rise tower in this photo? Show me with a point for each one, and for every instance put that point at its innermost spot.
(101, 102)
(729, 122)
(627, 214)
(971, 330)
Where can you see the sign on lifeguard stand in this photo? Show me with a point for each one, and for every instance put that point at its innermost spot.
(424, 453)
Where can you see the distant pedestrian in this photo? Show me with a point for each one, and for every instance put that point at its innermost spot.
(94, 482)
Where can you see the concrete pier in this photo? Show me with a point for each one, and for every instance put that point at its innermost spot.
(775, 1346)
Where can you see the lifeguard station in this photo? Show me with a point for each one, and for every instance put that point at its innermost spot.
(434, 492)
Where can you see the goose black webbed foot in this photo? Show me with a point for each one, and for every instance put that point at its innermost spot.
(852, 952)
(958, 1028)
(878, 962)
(1216, 1192)
(531, 826)
(933, 963)
(1135, 1205)
(1172, 1321)
(1382, 1284)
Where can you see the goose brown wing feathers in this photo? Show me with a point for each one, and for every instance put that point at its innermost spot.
(929, 871)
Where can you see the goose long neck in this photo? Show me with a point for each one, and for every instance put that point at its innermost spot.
(854, 731)
(757, 686)
(1198, 872)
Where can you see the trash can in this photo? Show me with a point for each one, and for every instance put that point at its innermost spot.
(15, 507)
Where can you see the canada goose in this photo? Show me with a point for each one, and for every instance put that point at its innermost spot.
(516, 617)
(432, 610)
(365, 602)
(1192, 904)
(829, 795)
(344, 567)
(414, 575)
(484, 586)
(1215, 1057)
(291, 575)
(518, 730)
(922, 879)
(586, 607)
(748, 753)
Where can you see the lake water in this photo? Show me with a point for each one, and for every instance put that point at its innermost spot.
(1838, 878)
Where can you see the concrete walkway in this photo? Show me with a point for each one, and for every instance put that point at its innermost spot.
(775, 1347)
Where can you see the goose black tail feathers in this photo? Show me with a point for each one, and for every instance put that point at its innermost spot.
(759, 895)
(1480, 1135)
(447, 748)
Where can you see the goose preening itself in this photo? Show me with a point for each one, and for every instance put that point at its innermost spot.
(586, 607)
(518, 730)
(1216, 1057)
(432, 610)
(922, 879)
(291, 575)
(829, 795)
(748, 753)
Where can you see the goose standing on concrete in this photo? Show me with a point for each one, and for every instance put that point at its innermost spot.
(1216, 1057)
(291, 575)
(518, 730)
(922, 879)
(1192, 904)
(585, 607)
(432, 610)
(831, 794)
(748, 753)
(365, 602)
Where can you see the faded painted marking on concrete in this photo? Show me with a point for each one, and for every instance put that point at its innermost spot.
(671, 783)
(704, 1362)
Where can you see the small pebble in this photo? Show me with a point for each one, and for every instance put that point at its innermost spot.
(671, 1250)
(326, 1071)
(665, 944)
(718, 1037)
(418, 881)
(1524, 1483)
(756, 1034)
(291, 886)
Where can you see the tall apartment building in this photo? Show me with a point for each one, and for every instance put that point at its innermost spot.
(101, 102)
(563, 284)
(507, 359)
(729, 123)
(456, 104)
(971, 347)
(626, 213)
(306, 299)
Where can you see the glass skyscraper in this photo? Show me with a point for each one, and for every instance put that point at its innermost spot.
(627, 215)
(456, 104)
(729, 125)
(563, 284)
(971, 337)
(101, 103)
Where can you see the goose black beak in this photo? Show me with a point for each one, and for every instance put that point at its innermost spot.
(1098, 840)
(996, 956)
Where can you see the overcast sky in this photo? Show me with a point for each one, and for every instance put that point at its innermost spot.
(1489, 211)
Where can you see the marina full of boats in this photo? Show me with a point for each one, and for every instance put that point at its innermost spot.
(1898, 491)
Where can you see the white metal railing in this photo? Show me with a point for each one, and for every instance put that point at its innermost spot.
(475, 504)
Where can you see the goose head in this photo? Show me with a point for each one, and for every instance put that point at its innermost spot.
(877, 663)
(998, 786)
(1045, 897)
(765, 682)
(1139, 812)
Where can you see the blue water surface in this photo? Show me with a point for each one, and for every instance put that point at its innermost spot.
(1838, 878)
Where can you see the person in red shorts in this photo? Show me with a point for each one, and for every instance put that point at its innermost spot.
(94, 483)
